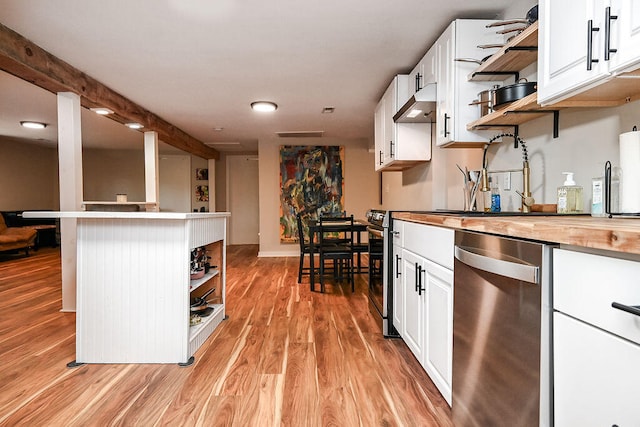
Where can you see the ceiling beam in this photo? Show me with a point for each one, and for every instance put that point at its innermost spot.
(28, 61)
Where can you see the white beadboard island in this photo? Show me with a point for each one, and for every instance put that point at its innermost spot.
(133, 284)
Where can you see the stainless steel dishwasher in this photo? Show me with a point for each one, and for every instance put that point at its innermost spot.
(501, 332)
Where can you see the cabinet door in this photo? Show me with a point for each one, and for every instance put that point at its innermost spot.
(596, 376)
(444, 77)
(398, 290)
(424, 72)
(414, 303)
(625, 35)
(563, 47)
(379, 134)
(439, 324)
(390, 108)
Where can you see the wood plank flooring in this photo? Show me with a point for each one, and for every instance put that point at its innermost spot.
(286, 356)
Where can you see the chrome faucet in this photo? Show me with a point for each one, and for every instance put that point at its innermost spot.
(527, 200)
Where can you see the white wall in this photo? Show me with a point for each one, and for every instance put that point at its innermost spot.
(360, 186)
(28, 176)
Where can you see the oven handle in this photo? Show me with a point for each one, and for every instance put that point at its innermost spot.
(375, 231)
(513, 270)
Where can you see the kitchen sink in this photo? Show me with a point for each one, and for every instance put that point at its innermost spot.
(499, 214)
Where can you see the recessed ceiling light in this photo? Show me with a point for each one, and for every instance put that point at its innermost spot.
(218, 129)
(134, 125)
(328, 110)
(101, 110)
(264, 106)
(33, 125)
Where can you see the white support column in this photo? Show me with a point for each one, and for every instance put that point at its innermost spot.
(151, 177)
(212, 185)
(70, 175)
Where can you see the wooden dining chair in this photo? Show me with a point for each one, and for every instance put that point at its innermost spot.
(305, 248)
(336, 245)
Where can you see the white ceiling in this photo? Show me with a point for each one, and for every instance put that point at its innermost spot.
(200, 63)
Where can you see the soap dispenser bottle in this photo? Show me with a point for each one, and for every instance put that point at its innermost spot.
(569, 196)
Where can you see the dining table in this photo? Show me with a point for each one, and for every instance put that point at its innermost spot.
(359, 227)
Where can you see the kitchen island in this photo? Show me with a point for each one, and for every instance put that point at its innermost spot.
(133, 284)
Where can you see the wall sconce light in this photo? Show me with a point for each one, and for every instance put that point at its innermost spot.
(264, 106)
(33, 125)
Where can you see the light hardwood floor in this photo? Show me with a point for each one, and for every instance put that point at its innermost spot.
(286, 356)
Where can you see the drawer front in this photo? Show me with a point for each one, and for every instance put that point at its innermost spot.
(596, 376)
(585, 286)
(433, 243)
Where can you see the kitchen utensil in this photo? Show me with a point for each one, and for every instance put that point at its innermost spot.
(530, 18)
(197, 274)
(491, 46)
(199, 303)
(507, 94)
(477, 61)
(485, 101)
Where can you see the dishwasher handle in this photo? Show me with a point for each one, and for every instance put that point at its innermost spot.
(513, 270)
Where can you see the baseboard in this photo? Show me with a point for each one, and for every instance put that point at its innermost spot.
(274, 254)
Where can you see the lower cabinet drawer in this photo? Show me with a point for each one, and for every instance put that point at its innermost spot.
(596, 376)
(586, 285)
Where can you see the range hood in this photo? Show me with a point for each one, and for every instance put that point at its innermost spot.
(420, 108)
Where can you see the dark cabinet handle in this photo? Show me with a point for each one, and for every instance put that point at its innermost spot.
(380, 157)
(418, 81)
(608, 17)
(590, 30)
(633, 309)
(391, 144)
(420, 288)
(446, 119)
(398, 266)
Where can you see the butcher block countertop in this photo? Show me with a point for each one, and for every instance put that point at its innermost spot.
(614, 234)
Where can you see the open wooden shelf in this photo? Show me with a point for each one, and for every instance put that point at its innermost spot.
(511, 58)
(516, 113)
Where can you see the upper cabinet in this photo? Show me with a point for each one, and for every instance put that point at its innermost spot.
(585, 44)
(424, 73)
(464, 38)
(399, 145)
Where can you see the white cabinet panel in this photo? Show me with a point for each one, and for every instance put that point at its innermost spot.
(439, 340)
(585, 286)
(572, 59)
(596, 376)
(414, 303)
(460, 40)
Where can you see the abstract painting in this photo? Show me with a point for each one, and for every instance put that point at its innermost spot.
(311, 183)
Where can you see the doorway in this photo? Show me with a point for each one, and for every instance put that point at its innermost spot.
(242, 200)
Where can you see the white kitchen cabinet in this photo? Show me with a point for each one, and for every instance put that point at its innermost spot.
(454, 91)
(398, 145)
(424, 72)
(573, 59)
(596, 347)
(398, 288)
(439, 331)
(425, 319)
(415, 303)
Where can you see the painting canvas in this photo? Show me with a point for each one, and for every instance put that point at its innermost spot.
(202, 174)
(311, 182)
(202, 193)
